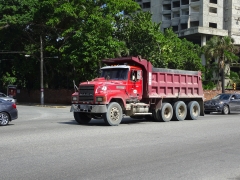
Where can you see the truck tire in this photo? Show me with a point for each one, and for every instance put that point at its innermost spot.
(4, 118)
(179, 111)
(114, 114)
(193, 110)
(81, 118)
(164, 114)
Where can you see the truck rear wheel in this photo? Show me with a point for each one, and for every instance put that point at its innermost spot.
(193, 110)
(81, 118)
(179, 111)
(164, 114)
(113, 116)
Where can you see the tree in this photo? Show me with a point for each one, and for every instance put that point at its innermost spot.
(180, 53)
(222, 49)
(80, 32)
(144, 37)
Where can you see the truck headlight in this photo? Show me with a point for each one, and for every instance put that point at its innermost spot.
(99, 99)
(74, 98)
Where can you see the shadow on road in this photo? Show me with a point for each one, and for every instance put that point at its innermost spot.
(100, 122)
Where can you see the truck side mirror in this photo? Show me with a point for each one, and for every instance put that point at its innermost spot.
(138, 75)
(133, 78)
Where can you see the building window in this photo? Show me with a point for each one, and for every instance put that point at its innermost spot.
(167, 7)
(184, 26)
(184, 2)
(213, 25)
(175, 14)
(166, 17)
(195, 9)
(194, 23)
(147, 5)
(194, 0)
(176, 4)
(185, 12)
(213, 1)
(175, 28)
(212, 10)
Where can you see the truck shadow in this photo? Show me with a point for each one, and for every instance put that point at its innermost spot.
(100, 122)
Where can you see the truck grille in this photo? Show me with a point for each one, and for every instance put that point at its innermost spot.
(86, 93)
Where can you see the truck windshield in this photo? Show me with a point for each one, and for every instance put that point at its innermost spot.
(115, 73)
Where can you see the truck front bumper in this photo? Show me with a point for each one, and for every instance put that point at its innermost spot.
(88, 108)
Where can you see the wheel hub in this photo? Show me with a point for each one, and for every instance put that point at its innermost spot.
(114, 114)
(167, 113)
(181, 111)
(3, 119)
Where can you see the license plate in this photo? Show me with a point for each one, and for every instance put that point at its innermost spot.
(85, 107)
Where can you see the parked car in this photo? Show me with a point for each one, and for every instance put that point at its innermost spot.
(7, 98)
(225, 103)
(8, 112)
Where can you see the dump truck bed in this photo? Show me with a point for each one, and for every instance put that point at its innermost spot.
(175, 83)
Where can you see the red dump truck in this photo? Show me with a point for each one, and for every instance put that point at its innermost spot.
(131, 86)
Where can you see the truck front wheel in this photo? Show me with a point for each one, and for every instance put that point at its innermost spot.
(81, 118)
(113, 116)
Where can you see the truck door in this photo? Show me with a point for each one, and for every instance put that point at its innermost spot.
(135, 84)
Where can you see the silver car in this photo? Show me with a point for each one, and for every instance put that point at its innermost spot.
(8, 112)
(7, 98)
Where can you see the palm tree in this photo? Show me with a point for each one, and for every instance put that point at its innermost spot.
(222, 49)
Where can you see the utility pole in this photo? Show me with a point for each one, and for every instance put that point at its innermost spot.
(41, 71)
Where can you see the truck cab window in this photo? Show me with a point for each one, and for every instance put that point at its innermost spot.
(134, 76)
(115, 73)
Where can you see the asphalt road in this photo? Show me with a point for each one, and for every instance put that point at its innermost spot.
(46, 143)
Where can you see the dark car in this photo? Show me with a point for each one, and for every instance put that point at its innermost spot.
(8, 112)
(225, 103)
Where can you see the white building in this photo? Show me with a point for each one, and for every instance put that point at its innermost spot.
(197, 20)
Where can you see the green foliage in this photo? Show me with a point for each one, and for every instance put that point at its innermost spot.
(82, 33)
(208, 85)
(234, 76)
(222, 49)
(180, 53)
(16, 12)
(143, 37)
(8, 79)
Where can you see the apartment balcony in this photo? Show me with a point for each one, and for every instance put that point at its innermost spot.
(166, 1)
(166, 12)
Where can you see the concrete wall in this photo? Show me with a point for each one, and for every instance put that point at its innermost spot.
(51, 96)
(63, 96)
